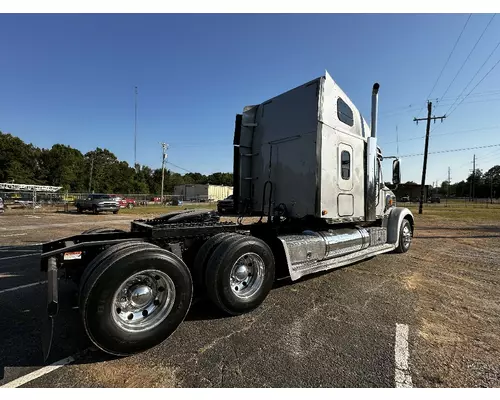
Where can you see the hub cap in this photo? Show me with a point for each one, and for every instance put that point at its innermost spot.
(406, 236)
(143, 301)
(247, 275)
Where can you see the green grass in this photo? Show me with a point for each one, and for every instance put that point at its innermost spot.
(458, 211)
(159, 209)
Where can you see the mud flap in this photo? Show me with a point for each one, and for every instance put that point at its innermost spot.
(52, 307)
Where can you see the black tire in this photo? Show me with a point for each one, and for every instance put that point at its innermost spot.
(201, 259)
(219, 266)
(102, 256)
(94, 210)
(402, 246)
(115, 212)
(115, 267)
(79, 209)
(130, 206)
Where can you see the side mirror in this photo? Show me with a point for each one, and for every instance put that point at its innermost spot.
(396, 172)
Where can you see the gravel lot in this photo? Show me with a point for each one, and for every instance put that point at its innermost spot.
(335, 329)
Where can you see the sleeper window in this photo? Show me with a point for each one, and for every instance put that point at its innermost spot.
(344, 112)
(345, 161)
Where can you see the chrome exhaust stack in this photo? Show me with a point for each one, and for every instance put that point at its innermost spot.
(371, 160)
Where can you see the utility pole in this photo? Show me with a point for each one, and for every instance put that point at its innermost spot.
(427, 132)
(135, 132)
(164, 147)
(449, 183)
(473, 177)
(491, 189)
(91, 169)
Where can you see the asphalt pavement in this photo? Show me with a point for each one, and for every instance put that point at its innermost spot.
(335, 329)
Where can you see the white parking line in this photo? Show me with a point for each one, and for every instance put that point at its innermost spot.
(38, 373)
(402, 374)
(23, 255)
(22, 287)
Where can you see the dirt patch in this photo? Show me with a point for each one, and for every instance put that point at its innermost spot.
(457, 281)
(117, 374)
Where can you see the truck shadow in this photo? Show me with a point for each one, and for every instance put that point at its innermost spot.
(459, 237)
(483, 228)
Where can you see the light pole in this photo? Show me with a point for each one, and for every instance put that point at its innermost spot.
(164, 148)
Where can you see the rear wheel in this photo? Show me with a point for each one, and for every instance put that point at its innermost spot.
(240, 274)
(134, 298)
(94, 210)
(202, 257)
(79, 209)
(130, 205)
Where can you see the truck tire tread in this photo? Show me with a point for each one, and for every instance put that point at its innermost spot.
(201, 259)
(96, 295)
(219, 267)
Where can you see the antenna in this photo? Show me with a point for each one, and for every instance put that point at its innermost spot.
(397, 141)
(135, 131)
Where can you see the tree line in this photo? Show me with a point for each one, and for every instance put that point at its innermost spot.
(479, 184)
(97, 171)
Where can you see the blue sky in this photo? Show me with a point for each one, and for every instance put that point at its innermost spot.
(70, 79)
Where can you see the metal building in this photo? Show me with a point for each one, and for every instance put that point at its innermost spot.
(199, 192)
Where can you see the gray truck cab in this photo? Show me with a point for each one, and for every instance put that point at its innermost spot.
(98, 202)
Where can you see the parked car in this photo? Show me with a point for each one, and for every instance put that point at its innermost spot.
(98, 203)
(1, 206)
(435, 199)
(125, 202)
(226, 205)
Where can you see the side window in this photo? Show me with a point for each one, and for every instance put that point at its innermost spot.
(345, 165)
(344, 112)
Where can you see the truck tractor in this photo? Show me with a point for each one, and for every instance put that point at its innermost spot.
(307, 169)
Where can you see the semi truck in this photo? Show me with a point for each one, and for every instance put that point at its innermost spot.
(307, 169)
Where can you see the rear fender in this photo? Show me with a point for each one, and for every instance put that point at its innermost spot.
(393, 223)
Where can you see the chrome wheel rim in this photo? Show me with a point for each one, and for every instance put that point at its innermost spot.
(247, 275)
(406, 236)
(143, 301)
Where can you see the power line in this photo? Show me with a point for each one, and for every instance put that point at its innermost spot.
(468, 56)
(451, 150)
(447, 60)
(477, 84)
(449, 56)
(176, 166)
(409, 108)
(480, 68)
(443, 134)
